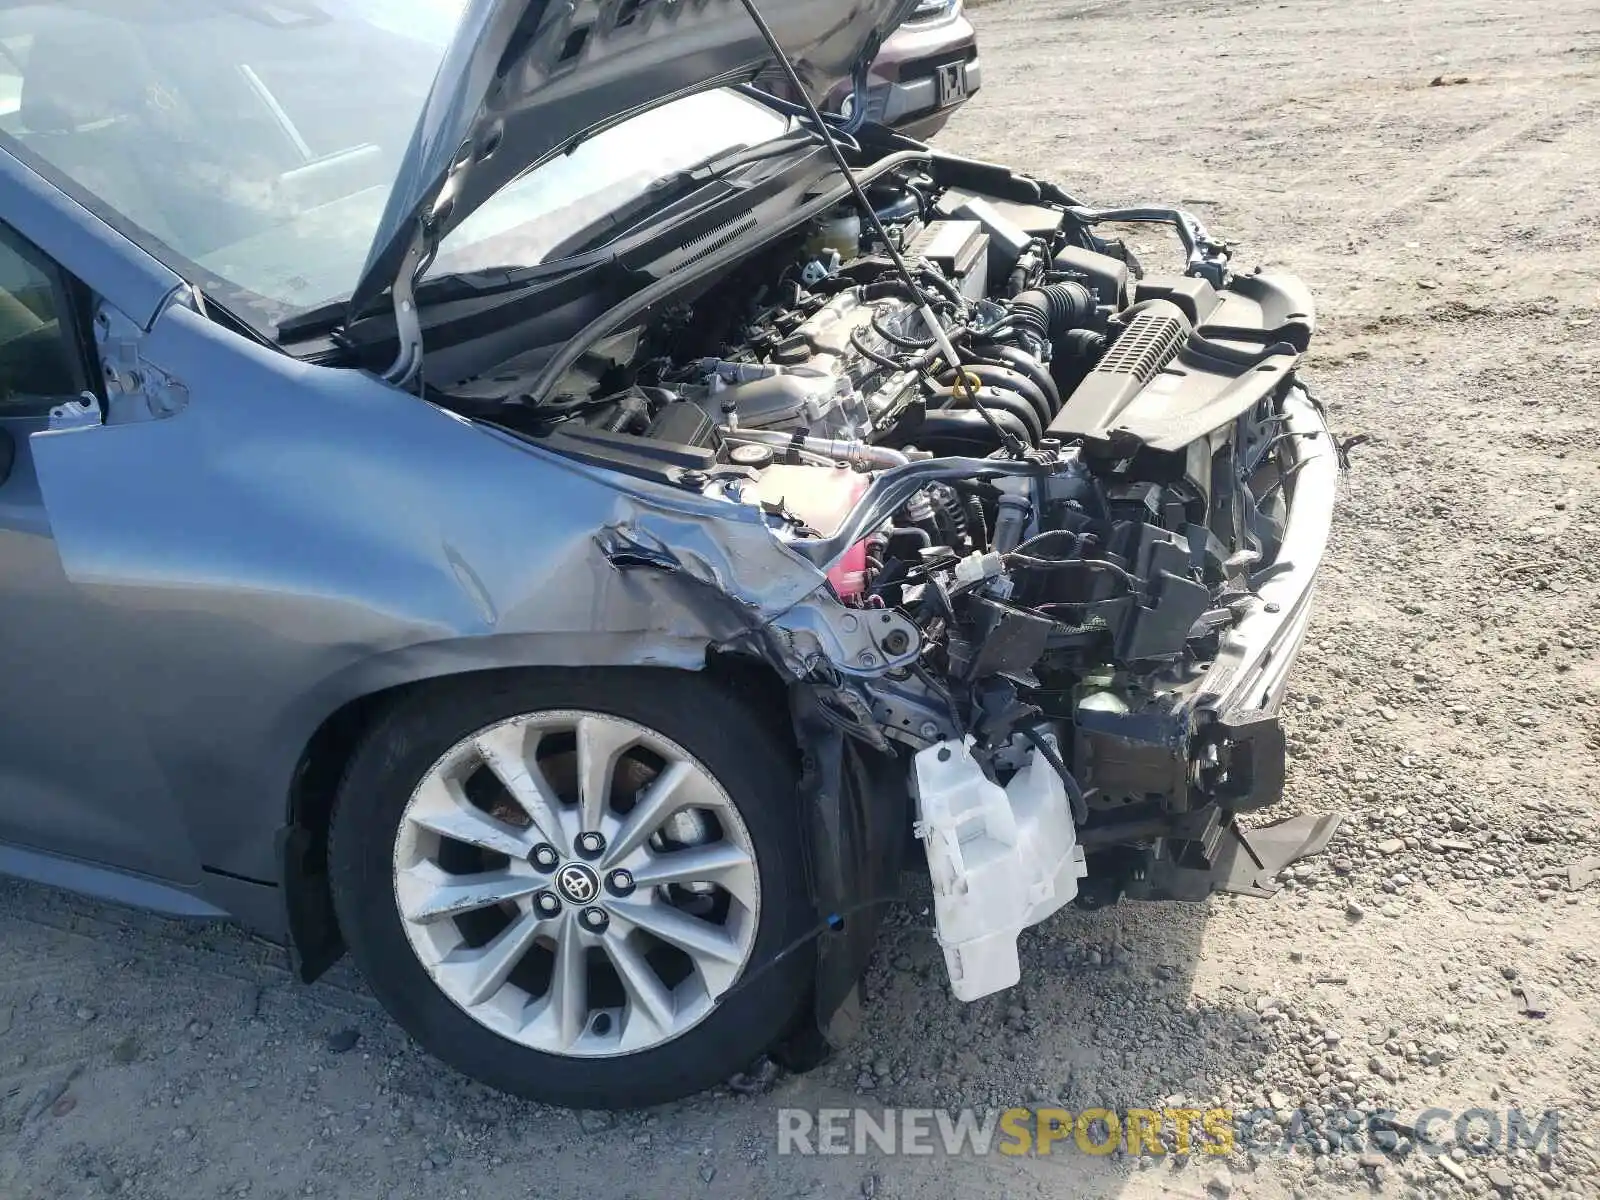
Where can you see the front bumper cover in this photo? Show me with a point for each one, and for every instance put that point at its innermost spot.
(1251, 673)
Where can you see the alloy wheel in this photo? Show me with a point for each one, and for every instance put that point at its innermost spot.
(577, 883)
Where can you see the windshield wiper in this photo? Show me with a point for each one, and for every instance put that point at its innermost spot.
(579, 251)
(671, 190)
(325, 318)
(734, 157)
(447, 285)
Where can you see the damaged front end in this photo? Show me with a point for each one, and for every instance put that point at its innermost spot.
(1028, 535)
(1061, 670)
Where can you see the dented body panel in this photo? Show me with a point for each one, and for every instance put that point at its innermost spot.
(302, 537)
(1019, 534)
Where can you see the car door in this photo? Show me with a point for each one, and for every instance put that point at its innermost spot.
(76, 774)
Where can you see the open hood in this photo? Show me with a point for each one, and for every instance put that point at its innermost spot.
(523, 79)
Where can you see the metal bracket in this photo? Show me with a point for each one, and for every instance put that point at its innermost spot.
(908, 717)
(860, 643)
(136, 389)
(1207, 257)
(407, 321)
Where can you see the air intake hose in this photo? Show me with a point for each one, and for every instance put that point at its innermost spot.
(1042, 315)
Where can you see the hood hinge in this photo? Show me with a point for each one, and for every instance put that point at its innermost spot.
(407, 322)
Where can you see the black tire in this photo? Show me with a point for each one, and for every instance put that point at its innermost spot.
(753, 765)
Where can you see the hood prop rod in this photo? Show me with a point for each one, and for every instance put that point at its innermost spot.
(1009, 440)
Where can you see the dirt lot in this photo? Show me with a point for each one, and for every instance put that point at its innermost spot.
(1430, 167)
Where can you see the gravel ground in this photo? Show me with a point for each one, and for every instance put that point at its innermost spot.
(1428, 165)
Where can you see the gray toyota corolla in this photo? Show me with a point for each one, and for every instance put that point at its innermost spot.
(484, 487)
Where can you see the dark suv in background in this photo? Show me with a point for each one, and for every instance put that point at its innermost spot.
(925, 70)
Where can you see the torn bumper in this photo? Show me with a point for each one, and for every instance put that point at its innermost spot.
(1238, 748)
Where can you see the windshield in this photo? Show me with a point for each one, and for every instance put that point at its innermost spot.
(256, 140)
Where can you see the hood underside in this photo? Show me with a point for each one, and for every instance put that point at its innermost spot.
(524, 79)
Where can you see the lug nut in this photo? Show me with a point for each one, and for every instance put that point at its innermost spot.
(591, 845)
(619, 882)
(595, 920)
(547, 904)
(544, 856)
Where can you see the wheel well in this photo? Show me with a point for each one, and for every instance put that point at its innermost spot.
(321, 766)
(314, 936)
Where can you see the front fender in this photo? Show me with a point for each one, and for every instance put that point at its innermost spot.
(294, 537)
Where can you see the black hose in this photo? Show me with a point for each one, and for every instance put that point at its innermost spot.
(1080, 806)
(899, 339)
(883, 360)
(1048, 312)
(1029, 562)
(1051, 535)
(888, 288)
(977, 523)
(944, 285)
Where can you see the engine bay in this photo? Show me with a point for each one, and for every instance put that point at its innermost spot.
(1051, 487)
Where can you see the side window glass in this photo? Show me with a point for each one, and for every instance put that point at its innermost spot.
(39, 359)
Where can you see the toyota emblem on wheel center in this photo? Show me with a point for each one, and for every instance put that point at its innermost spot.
(578, 883)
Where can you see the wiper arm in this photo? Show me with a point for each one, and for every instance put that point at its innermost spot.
(735, 157)
(325, 318)
(449, 285)
(575, 253)
(491, 281)
(673, 189)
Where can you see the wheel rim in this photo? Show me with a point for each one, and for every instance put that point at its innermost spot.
(577, 883)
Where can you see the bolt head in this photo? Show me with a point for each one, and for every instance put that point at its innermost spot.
(547, 904)
(591, 845)
(619, 882)
(594, 919)
(929, 730)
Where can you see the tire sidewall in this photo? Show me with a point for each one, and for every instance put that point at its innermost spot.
(754, 767)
